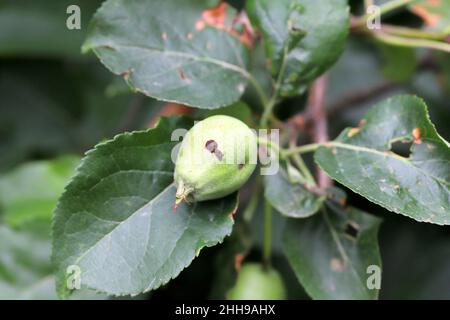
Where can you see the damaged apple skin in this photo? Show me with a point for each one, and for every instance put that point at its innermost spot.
(217, 156)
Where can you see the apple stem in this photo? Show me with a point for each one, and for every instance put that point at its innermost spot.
(181, 194)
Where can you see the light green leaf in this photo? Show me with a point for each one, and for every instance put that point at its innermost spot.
(116, 221)
(159, 50)
(290, 199)
(361, 158)
(26, 272)
(436, 14)
(306, 35)
(30, 192)
(329, 261)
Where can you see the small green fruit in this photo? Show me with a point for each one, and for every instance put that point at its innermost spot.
(216, 157)
(256, 283)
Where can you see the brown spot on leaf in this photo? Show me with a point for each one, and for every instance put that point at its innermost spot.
(362, 123)
(241, 165)
(181, 73)
(200, 25)
(352, 132)
(125, 75)
(417, 134)
(337, 265)
(216, 17)
(429, 18)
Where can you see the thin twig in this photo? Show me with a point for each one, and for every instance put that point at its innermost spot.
(297, 158)
(316, 107)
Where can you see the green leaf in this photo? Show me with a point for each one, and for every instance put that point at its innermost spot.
(436, 14)
(330, 262)
(417, 186)
(307, 36)
(237, 246)
(38, 28)
(25, 269)
(67, 120)
(116, 221)
(428, 246)
(30, 192)
(290, 199)
(238, 110)
(399, 63)
(159, 50)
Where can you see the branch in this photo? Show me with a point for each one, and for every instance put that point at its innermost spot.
(316, 108)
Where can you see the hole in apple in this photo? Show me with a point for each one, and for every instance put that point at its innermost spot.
(212, 147)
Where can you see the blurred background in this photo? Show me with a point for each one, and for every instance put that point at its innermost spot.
(55, 104)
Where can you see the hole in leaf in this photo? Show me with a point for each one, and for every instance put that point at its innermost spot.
(352, 230)
(402, 148)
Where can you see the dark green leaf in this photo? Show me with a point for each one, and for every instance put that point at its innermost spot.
(238, 110)
(329, 262)
(53, 107)
(290, 199)
(236, 247)
(116, 223)
(416, 260)
(30, 192)
(38, 28)
(399, 63)
(159, 50)
(417, 186)
(308, 36)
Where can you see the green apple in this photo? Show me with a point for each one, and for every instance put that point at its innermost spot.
(216, 157)
(254, 282)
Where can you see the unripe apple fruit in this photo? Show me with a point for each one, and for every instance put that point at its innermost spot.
(216, 157)
(254, 282)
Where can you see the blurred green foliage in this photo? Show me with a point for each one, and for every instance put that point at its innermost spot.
(55, 101)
